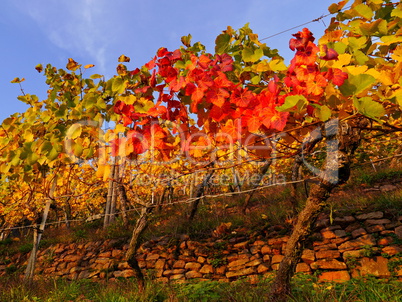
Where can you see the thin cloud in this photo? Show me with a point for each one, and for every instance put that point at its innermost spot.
(76, 26)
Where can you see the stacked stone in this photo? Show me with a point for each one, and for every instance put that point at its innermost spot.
(343, 248)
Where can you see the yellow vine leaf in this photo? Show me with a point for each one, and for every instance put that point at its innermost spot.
(119, 128)
(397, 12)
(110, 135)
(72, 65)
(397, 54)
(74, 131)
(261, 66)
(126, 150)
(143, 105)
(398, 96)
(384, 76)
(123, 58)
(129, 100)
(277, 65)
(388, 40)
(356, 70)
(28, 136)
(197, 151)
(103, 169)
(18, 80)
(39, 68)
(343, 60)
(106, 172)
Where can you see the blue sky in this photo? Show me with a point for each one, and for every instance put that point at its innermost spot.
(99, 31)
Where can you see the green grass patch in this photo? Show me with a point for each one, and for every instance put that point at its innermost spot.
(369, 177)
(304, 288)
(368, 289)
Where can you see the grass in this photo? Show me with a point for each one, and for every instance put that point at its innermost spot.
(368, 289)
(352, 198)
(264, 212)
(357, 201)
(52, 290)
(367, 177)
(305, 288)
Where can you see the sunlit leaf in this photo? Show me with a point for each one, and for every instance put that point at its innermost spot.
(364, 11)
(387, 40)
(28, 136)
(52, 155)
(397, 11)
(336, 7)
(77, 150)
(106, 172)
(186, 40)
(356, 84)
(46, 147)
(32, 158)
(72, 65)
(253, 123)
(231, 129)
(355, 70)
(118, 85)
(252, 55)
(17, 80)
(39, 68)
(123, 58)
(222, 43)
(360, 57)
(255, 80)
(74, 131)
(120, 128)
(143, 105)
(323, 113)
(121, 69)
(369, 107)
(96, 76)
(89, 153)
(292, 101)
(100, 170)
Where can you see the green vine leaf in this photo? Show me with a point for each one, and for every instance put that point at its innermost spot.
(356, 84)
(368, 107)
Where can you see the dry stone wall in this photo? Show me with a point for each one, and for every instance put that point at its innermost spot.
(342, 248)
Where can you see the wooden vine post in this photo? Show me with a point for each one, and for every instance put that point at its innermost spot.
(139, 228)
(37, 235)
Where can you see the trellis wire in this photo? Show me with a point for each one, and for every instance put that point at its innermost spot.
(189, 200)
